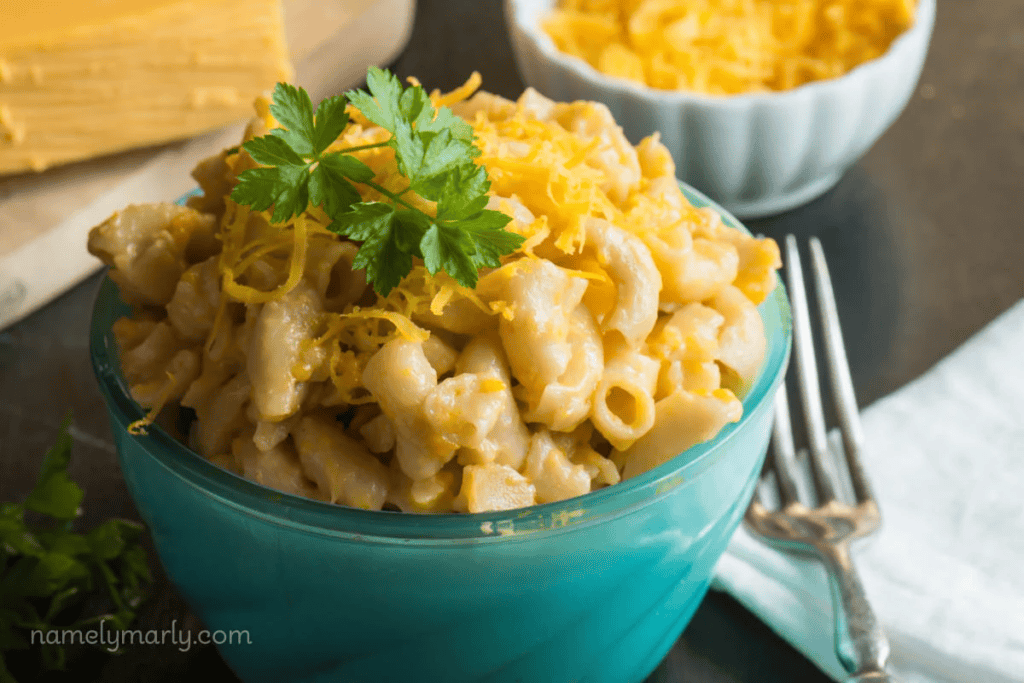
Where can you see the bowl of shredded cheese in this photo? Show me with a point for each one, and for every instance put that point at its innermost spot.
(764, 104)
(528, 476)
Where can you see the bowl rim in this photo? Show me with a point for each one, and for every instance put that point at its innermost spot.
(389, 527)
(924, 21)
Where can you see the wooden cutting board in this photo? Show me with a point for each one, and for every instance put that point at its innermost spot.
(45, 217)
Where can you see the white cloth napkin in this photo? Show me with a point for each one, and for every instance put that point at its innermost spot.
(945, 575)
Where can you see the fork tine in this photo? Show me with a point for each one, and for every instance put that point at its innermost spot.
(839, 374)
(783, 452)
(807, 375)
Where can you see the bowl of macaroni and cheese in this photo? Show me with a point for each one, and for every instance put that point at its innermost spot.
(529, 480)
(764, 105)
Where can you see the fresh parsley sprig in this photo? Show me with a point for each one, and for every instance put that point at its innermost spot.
(434, 150)
(51, 575)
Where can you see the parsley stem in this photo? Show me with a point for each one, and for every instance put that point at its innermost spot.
(396, 198)
(360, 148)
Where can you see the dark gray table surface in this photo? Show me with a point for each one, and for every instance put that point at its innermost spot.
(925, 237)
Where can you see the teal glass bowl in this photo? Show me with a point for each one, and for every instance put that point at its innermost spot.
(594, 589)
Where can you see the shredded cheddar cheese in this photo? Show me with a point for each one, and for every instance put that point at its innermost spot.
(405, 327)
(550, 174)
(138, 428)
(608, 342)
(726, 47)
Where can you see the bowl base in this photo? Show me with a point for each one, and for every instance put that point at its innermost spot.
(776, 204)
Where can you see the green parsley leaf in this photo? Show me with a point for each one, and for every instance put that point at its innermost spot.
(448, 249)
(331, 120)
(413, 225)
(15, 535)
(409, 150)
(110, 539)
(286, 188)
(447, 120)
(381, 105)
(349, 167)
(389, 240)
(55, 494)
(385, 262)
(64, 542)
(364, 220)
(294, 111)
(272, 151)
(52, 577)
(329, 188)
(461, 248)
(293, 196)
(490, 239)
(288, 154)
(463, 194)
(434, 151)
(427, 143)
(443, 154)
(41, 576)
(414, 105)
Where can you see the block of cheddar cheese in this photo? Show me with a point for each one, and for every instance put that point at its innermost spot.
(84, 78)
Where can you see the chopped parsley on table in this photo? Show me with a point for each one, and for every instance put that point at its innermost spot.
(50, 575)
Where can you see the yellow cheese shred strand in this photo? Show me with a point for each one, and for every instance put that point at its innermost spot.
(138, 428)
(218, 323)
(406, 327)
(461, 93)
(250, 295)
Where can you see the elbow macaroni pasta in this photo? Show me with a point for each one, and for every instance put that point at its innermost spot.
(616, 337)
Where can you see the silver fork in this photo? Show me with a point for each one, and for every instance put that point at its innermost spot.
(825, 530)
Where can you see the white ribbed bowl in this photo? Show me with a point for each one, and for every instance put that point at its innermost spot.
(757, 154)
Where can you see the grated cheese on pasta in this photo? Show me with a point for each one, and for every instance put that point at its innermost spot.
(540, 384)
(727, 47)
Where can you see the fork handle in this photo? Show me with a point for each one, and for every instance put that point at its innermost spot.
(860, 643)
